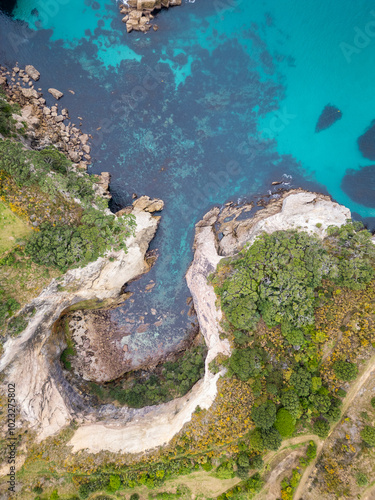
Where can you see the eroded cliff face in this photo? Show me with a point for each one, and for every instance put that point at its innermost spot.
(32, 359)
(157, 425)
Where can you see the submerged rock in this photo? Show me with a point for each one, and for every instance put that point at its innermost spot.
(359, 185)
(329, 116)
(366, 142)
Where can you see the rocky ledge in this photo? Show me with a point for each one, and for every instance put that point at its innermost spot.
(139, 13)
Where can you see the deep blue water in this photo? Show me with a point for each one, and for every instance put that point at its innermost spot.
(217, 104)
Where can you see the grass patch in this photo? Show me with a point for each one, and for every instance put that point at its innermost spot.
(12, 229)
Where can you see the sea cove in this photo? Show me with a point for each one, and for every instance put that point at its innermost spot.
(212, 112)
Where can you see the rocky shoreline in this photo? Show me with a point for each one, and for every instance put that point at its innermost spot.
(45, 125)
(138, 14)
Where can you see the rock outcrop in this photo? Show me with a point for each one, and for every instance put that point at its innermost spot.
(139, 13)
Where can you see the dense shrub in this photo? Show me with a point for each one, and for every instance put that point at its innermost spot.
(355, 253)
(175, 379)
(256, 440)
(246, 363)
(8, 306)
(290, 401)
(65, 246)
(264, 415)
(373, 402)
(345, 370)
(225, 470)
(311, 451)
(301, 380)
(243, 460)
(114, 483)
(285, 423)
(256, 462)
(361, 479)
(321, 428)
(275, 277)
(368, 435)
(333, 414)
(271, 438)
(7, 122)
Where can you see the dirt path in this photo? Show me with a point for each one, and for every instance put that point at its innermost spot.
(353, 391)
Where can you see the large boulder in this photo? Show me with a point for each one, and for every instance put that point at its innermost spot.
(146, 4)
(147, 204)
(32, 72)
(55, 93)
(29, 93)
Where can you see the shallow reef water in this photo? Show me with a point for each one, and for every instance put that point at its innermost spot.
(222, 100)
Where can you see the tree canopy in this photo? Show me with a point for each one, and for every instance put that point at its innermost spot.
(264, 415)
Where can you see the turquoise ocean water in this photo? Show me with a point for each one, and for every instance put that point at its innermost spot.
(222, 100)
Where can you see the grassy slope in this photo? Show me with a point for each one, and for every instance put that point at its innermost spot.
(11, 229)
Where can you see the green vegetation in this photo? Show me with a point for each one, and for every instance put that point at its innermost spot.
(64, 245)
(345, 370)
(8, 306)
(264, 415)
(7, 122)
(172, 379)
(245, 490)
(361, 479)
(289, 486)
(368, 435)
(12, 229)
(16, 325)
(321, 428)
(285, 423)
(269, 295)
(246, 363)
(276, 276)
